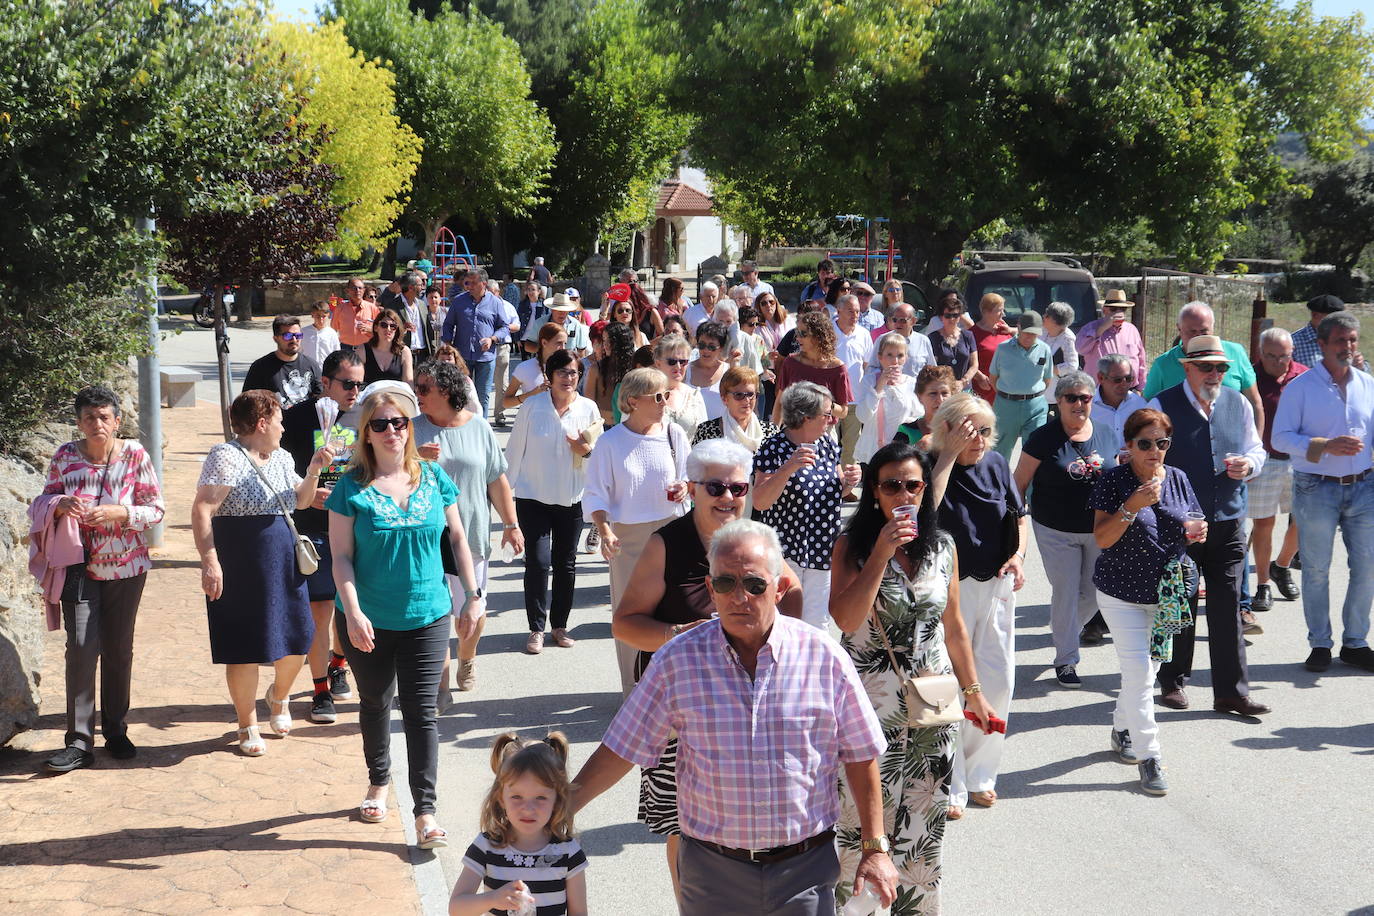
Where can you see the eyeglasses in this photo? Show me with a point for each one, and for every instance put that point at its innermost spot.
(1213, 368)
(660, 397)
(372, 296)
(893, 485)
(379, 424)
(1118, 379)
(744, 395)
(566, 373)
(707, 348)
(387, 324)
(864, 293)
(292, 335)
(718, 488)
(1076, 398)
(355, 287)
(724, 585)
(676, 361)
(901, 319)
(950, 315)
(346, 384)
(1147, 445)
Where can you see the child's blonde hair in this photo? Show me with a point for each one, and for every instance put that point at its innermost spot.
(547, 761)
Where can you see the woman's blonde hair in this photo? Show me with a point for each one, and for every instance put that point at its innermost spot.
(669, 344)
(637, 383)
(363, 467)
(954, 411)
(547, 761)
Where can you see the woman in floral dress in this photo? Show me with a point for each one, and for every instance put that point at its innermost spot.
(904, 572)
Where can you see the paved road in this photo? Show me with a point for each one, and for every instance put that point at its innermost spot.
(1263, 815)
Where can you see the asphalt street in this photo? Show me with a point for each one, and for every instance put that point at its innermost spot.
(1263, 815)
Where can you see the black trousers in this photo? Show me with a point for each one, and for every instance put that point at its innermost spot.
(408, 663)
(1220, 560)
(551, 534)
(99, 616)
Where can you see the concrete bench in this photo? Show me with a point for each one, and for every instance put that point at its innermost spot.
(179, 385)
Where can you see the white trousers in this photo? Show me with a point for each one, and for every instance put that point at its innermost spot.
(989, 612)
(1135, 709)
(815, 586)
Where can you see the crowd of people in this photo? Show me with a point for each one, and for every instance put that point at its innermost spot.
(811, 693)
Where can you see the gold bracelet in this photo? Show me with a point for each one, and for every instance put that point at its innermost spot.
(973, 688)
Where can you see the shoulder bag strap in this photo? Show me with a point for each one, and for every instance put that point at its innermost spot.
(290, 523)
(882, 633)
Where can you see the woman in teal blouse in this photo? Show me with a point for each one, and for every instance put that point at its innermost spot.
(387, 517)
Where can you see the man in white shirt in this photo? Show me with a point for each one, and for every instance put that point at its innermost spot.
(412, 309)
(853, 347)
(703, 308)
(1324, 423)
(918, 352)
(319, 339)
(1115, 400)
(750, 271)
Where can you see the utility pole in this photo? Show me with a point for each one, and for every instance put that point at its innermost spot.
(150, 382)
(222, 358)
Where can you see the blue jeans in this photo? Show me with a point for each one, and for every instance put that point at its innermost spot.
(1319, 506)
(482, 373)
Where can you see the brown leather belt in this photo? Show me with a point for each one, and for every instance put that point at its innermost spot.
(1020, 397)
(776, 854)
(1348, 479)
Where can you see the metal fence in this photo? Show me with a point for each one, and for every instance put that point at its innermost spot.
(1239, 305)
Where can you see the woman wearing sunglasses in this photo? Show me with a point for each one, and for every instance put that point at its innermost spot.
(669, 593)
(386, 358)
(686, 406)
(450, 432)
(899, 572)
(387, 519)
(982, 510)
(705, 372)
(1060, 464)
(1141, 523)
(635, 484)
(528, 378)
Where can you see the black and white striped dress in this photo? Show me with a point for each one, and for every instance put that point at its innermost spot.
(545, 872)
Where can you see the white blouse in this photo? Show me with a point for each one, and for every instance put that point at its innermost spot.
(541, 465)
(628, 474)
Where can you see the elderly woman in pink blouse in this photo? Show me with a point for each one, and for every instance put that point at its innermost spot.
(108, 486)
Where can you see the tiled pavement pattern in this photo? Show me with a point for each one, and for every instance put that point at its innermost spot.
(190, 825)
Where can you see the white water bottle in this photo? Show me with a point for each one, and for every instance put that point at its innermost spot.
(865, 904)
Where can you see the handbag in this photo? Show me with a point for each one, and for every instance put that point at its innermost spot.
(932, 700)
(307, 557)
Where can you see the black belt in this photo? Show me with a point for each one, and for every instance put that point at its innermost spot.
(1020, 397)
(776, 854)
(1348, 479)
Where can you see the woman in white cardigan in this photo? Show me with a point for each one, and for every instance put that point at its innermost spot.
(546, 457)
(887, 396)
(636, 483)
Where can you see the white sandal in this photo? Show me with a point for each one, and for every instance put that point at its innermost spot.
(373, 810)
(280, 722)
(251, 743)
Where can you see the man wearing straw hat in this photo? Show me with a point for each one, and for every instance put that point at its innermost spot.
(1112, 333)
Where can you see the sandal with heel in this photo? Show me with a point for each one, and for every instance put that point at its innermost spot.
(279, 722)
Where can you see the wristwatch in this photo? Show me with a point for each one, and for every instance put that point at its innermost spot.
(478, 593)
(879, 843)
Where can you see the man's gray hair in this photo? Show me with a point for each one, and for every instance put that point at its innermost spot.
(1104, 365)
(1275, 335)
(732, 534)
(728, 307)
(1072, 382)
(846, 298)
(802, 401)
(1335, 320)
(1196, 307)
(627, 275)
(539, 260)
(477, 272)
(718, 453)
(412, 279)
(707, 284)
(1061, 312)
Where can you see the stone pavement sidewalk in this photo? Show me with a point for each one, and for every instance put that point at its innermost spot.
(190, 825)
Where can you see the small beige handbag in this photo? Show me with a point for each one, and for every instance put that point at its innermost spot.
(932, 700)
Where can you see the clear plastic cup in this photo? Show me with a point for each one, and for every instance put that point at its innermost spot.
(908, 513)
(1194, 523)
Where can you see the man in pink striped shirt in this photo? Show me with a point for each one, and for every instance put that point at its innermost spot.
(767, 711)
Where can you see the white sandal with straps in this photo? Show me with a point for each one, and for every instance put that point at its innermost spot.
(251, 743)
(280, 722)
(373, 810)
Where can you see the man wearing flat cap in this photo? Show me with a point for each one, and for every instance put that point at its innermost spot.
(1020, 370)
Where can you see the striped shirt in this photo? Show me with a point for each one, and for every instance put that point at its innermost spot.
(758, 759)
(545, 872)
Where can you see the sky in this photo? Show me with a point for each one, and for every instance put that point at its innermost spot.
(304, 10)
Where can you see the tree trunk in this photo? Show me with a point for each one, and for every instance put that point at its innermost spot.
(388, 265)
(500, 249)
(243, 304)
(927, 253)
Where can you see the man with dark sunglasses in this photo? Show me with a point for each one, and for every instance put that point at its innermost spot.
(766, 709)
(304, 433)
(1216, 445)
(291, 375)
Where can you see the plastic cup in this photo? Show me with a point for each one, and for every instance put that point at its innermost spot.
(1194, 523)
(906, 513)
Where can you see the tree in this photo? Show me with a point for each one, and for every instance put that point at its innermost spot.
(461, 84)
(372, 152)
(1336, 221)
(108, 111)
(1077, 117)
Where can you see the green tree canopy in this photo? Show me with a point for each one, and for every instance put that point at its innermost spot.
(1336, 220)
(463, 87)
(373, 153)
(1081, 116)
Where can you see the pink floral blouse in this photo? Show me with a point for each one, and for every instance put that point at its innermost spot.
(121, 553)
